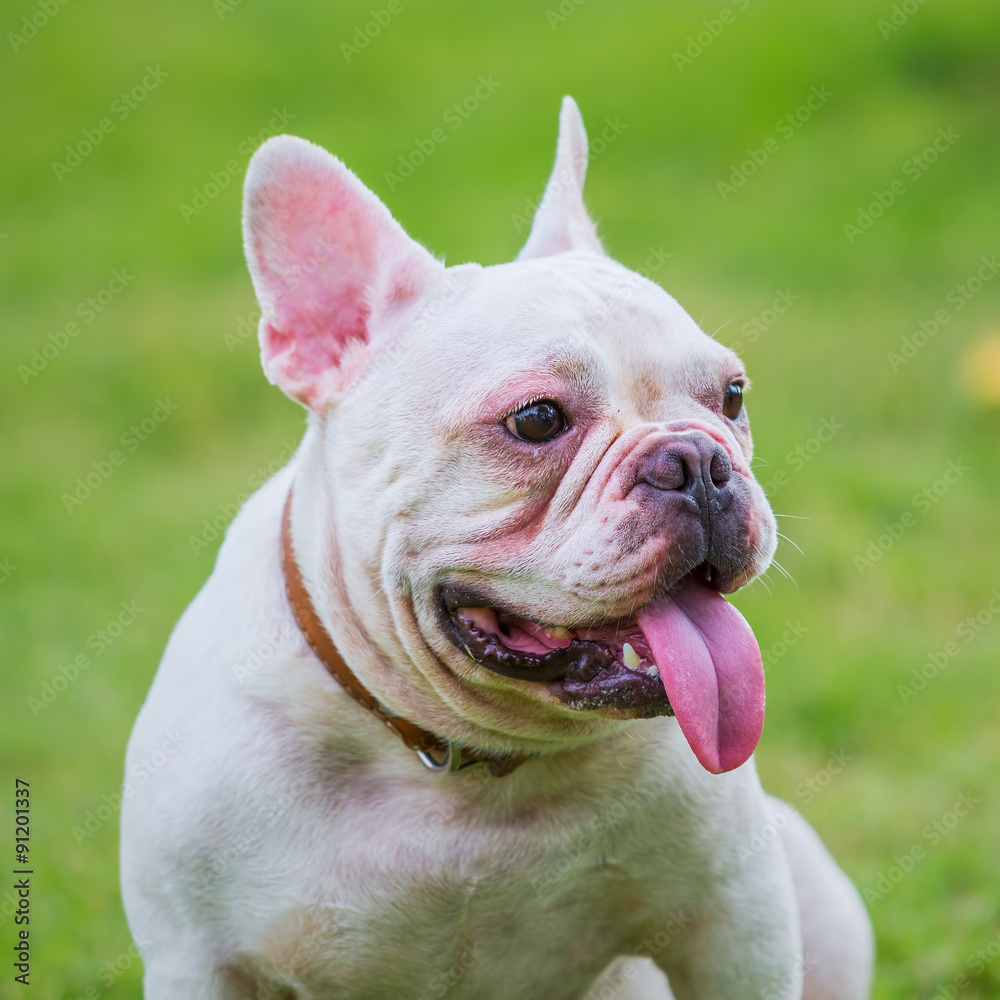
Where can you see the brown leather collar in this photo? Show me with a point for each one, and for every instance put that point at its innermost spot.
(435, 753)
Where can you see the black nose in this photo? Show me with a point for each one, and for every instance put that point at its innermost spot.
(689, 462)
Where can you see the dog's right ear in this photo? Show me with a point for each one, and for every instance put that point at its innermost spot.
(328, 263)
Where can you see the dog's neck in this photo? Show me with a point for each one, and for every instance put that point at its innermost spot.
(434, 752)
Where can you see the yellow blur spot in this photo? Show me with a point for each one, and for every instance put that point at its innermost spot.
(979, 370)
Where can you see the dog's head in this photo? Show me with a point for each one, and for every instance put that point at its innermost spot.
(530, 483)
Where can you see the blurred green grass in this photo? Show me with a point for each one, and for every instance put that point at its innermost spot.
(860, 635)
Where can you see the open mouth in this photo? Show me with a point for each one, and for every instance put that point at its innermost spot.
(689, 653)
(596, 667)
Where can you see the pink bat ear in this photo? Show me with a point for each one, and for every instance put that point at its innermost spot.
(329, 265)
(561, 222)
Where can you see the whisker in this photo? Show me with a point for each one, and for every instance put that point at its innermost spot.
(721, 328)
(784, 572)
(797, 517)
(790, 542)
(370, 597)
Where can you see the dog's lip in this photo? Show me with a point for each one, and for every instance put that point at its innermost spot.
(589, 673)
(579, 660)
(454, 597)
(586, 675)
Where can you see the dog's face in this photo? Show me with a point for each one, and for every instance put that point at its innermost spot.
(536, 475)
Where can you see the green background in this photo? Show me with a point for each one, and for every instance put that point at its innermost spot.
(860, 631)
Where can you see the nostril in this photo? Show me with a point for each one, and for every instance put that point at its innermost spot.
(720, 469)
(668, 470)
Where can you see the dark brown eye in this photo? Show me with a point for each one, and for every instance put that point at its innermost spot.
(732, 400)
(537, 422)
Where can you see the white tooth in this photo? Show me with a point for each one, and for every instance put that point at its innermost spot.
(653, 670)
(630, 656)
(558, 632)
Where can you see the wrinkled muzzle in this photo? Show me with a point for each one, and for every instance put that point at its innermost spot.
(689, 526)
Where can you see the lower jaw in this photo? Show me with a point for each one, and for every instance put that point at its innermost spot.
(630, 693)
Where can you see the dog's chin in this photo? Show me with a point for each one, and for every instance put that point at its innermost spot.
(603, 666)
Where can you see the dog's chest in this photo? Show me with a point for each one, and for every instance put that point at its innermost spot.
(422, 900)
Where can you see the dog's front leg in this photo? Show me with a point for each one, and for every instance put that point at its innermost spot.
(631, 979)
(744, 940)
(748, 956)
(188, 973)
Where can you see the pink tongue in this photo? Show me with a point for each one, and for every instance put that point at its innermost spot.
(712, 671)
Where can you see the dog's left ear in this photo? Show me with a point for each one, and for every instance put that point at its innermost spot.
(329, 263)
(561, 222)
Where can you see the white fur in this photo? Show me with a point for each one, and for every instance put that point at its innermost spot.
(561, 222)
(293, 847)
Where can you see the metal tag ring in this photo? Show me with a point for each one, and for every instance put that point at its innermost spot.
(451, 761)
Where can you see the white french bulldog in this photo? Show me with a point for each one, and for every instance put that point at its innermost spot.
(522, 493)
